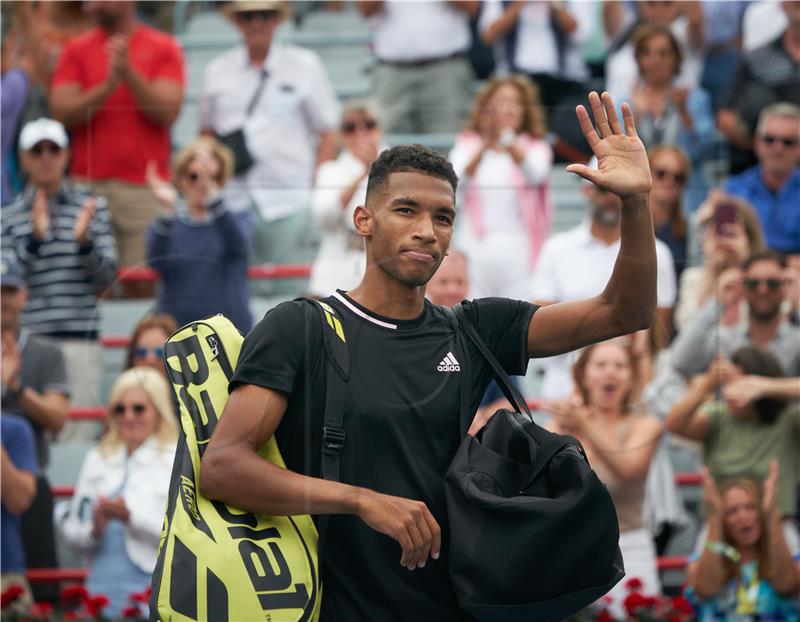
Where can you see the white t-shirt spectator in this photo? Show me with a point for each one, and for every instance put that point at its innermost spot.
(297, 104)
(416, 31)
(575, 265)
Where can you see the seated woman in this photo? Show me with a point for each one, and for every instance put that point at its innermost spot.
(740, 437)
(199, 247)
(620, 439)
(745, 568)
(116, 514)
(340, 186)
(146, 348)
(503, 164)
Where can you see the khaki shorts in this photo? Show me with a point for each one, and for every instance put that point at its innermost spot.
(132, 209)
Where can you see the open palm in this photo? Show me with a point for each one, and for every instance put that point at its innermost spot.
(622, 165)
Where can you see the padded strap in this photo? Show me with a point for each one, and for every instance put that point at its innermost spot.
(510, 391)
(466, 413)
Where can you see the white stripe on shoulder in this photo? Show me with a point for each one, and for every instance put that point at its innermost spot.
(360, 313)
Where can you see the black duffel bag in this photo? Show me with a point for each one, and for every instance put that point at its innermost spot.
(533, 532)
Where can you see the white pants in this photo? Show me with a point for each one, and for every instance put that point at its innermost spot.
(639, 557)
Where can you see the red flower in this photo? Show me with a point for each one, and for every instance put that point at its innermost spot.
(605, 616)
(140, 597)
(70, 615)
(42, 609)
(99, 601)
(131, 612)
(10, 595)
(74, 592)
(681, 604)
(634, 584)
(633, 602)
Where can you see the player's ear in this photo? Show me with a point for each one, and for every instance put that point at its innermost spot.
(362, 219)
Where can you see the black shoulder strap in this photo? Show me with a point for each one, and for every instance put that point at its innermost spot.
(509, 390)
(466, 413)
(337, 356)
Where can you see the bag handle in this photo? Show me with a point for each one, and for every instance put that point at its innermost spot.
(510, 391)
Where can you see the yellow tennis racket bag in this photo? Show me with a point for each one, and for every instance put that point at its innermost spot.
(216, 562)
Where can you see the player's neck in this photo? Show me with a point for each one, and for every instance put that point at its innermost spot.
(386, 296)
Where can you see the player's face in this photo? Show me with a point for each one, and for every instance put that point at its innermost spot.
(411, 226)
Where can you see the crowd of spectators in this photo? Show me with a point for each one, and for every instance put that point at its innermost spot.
(92, 183)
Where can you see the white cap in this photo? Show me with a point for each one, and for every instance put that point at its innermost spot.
(42, 129)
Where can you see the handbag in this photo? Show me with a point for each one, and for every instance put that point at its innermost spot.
(533, 532)
(236, 140)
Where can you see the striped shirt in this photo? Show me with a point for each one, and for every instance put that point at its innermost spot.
(63, 278)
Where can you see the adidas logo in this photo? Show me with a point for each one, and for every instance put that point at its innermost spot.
(449, 363)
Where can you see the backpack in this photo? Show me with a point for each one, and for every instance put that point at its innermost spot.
(216, 562)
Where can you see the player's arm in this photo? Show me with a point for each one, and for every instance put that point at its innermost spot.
(231, 471)
(628, 302)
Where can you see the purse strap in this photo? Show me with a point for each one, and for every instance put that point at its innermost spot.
(262, 80)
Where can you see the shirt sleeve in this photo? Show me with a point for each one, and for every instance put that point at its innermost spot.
(274, 351)
(68, 70)
(321, 105)
(171, 65)
(491, 10)
(56, 372)
(503, 325)
(19, 443)
(666, 285)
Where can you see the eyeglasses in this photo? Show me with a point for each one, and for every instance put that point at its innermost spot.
(51, 148)
(137, 409)
(661, 174)
(770, 139)
(141, 352)
(753, 284)
(348, 127)
(249, 16)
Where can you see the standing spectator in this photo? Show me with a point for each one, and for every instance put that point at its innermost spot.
(773, 186)
(280, 103)
(146, 348)
(667, 113)
(761, 283)
(200, 248)
(746, 566)
(766, 75)
(620, 439)
(670, 168)
(117, 511)
(18, 465)
(575, 263)
(118, 89)
(340, 186)
(621, 20)
(35, 389)
(422, 78)
(725, 244)
(504, 164)
(62, 237)
(723, 45)
(545, 41)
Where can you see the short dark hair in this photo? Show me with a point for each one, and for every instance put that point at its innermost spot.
(766, 255)
(410, 158)
(760, 362)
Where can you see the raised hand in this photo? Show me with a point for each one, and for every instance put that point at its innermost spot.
(622, 165)
(409, 522)
(711, 493)
(744, 390)
(769, 494)
(83, 223)
(40, 216)
(164, 191)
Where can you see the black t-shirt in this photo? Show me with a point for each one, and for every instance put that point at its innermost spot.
(402, 430)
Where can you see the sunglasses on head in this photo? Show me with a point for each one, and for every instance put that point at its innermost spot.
(137, 409)
(51, 148)
(141, 352)
(662, 174)
(348, 127)
(770, 139)
(753, 284)
(249, 16)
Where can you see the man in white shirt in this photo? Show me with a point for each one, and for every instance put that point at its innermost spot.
(281, 98)
(422, 79)
(578, 262)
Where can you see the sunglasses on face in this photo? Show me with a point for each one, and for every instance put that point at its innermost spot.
(142, 352)
(40, 148)
(137, 409)
(753, 284)
(348, 127)
(661, 174)
(770, 140)
(249, 16)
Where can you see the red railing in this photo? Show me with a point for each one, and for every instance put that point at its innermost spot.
(267, 271)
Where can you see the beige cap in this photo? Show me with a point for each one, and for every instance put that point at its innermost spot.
(255, 5)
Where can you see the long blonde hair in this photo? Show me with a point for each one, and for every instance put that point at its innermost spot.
(533, 123)
(733, 568)
(157, 390)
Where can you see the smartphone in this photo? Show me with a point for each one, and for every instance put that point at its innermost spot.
(724, 215)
